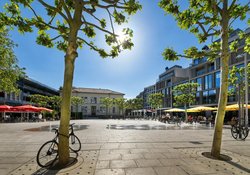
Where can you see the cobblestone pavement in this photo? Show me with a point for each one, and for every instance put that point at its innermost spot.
(125, 147)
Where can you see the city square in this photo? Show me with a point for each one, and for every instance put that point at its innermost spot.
(124, 87)
(158, 150)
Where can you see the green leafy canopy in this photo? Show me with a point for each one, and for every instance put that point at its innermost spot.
(10, 72)
(184, 93)
(203, 18)
(54, 21)
(156, 100)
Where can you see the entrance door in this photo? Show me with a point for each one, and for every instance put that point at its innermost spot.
(93, 110)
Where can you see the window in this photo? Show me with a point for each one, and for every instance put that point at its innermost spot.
(197, 98)
(8, 96)
(209, 97)
(196, 61)
(113, 110)
(200, 71)
(217, 79)
(231, 98)
(217, 61)
(211, 67)
(240, 65)
(18, 97)
(84, 109)
(199, 60)
(102, 109)
(2, 94)
(93, 100)
(85, 99)
(208, 81)
(212, 96)
(199, 81)
(205, 97)
(169, 83)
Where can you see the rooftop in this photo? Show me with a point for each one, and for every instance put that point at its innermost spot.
(95, 90)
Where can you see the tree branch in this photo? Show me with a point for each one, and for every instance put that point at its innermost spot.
(90, 45)
(52, 39)
(53, 8)
(232, 5)
(106, 31)
(66, 10)
(47, 24)
(111, 22)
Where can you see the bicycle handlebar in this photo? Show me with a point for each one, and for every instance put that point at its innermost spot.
(56, 129)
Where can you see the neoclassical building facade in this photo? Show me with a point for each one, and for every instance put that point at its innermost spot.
(92, 106)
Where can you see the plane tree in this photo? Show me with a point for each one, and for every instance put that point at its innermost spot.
(40, 100)
(184, 94)
(121, 104)
(137, 103)
(156, 100)
(10, 72)
(209, 19)
(237, 87)
(76, 101)
(107, 102)
(69, 25)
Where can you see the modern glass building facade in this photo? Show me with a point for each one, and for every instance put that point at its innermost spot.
(27, 87)
(203, 72)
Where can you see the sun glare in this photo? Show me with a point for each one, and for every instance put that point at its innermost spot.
(122, 37)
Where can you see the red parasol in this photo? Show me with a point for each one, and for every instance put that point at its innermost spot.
(25, 108)
(44, 109)
(5, 108)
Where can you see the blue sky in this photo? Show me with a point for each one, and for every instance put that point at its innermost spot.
(129, 73)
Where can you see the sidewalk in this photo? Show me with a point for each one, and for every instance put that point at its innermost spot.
(126, 151)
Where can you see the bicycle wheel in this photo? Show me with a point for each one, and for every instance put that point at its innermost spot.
(74, 143)
(235, 131)
(245, 132)
(47, 154)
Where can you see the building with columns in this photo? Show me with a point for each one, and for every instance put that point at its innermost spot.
(92, 106)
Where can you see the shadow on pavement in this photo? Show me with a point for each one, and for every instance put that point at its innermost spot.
(239, 166)
(55, 168)
(50, 127)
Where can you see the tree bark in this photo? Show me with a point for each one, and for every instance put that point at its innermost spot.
(65, 108)
(217, 139)
(71, 55)
(186, 116)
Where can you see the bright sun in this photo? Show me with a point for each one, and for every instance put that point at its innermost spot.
(121, 37)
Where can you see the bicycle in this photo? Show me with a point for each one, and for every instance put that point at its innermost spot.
(48, 152)
(239, 131)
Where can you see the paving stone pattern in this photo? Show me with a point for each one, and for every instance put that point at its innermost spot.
(125, 152)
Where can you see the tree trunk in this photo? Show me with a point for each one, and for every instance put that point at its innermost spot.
(65, 110)
(186, 115)
(70, 57)
(217, 139)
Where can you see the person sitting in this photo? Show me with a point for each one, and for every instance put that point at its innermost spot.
(190, 119)
(233, 120)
